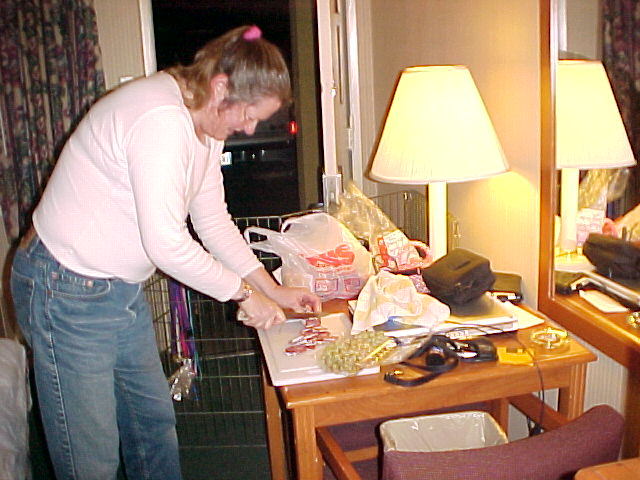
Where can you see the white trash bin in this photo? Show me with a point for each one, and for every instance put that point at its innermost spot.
(441, 432)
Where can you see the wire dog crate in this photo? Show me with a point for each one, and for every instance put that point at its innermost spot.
(406, 211)
(221, 429)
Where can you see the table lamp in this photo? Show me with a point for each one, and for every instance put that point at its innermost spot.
(589, 134)
(437, 131)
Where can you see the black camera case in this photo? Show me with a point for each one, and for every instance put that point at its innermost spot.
(612, 256)
(458, 277)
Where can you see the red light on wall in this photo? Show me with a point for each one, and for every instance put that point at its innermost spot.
(293, 127)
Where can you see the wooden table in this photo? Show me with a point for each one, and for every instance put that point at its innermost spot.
(628, 469)
(314, 406)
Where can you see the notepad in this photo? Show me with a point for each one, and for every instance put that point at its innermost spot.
(482, 316)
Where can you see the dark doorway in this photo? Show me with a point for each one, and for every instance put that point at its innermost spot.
(261, 171)
(183, 26)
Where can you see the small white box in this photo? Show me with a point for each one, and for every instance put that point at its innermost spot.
(442, 432)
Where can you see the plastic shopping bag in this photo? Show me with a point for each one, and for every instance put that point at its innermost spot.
(318, 252)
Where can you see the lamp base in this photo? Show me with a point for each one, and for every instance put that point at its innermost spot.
(437, 194)
(572, 261)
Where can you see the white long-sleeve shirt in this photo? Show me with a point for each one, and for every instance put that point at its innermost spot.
(117, 202)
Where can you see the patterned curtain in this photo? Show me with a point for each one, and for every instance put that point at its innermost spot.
(621, 58)
(50, 73)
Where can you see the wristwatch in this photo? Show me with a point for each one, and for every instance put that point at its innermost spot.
(247, 291)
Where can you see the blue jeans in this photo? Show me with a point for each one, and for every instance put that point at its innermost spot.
(98, 374)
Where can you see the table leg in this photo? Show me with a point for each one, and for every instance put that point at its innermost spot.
(308, 457)
(571, 397)
(499, 410)
(275, 437)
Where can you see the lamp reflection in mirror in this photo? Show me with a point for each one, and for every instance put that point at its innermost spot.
(437, 131)
(589, 134)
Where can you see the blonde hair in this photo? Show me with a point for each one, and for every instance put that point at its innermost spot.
(254, 67)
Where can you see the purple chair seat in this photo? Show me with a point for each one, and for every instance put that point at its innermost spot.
(592, 438)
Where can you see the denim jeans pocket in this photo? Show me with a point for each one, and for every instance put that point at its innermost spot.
(67, 283)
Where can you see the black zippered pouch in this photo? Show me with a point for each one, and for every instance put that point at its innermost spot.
(612, 256)
(458, 277)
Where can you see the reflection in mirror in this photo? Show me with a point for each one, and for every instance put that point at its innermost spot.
(621, 58)
(590, 152)
(590, 142)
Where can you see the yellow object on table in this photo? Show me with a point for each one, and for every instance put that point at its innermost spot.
(514, 356)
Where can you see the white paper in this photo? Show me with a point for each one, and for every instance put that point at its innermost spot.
(602, 302)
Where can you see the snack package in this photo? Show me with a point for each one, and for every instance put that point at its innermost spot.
(318, 252)
(597, 189)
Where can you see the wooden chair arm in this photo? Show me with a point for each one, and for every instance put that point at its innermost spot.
(335, 456)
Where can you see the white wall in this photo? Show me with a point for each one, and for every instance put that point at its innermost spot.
(583, 27)
(120, 39)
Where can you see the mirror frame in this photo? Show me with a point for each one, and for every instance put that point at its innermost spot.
(548, 175)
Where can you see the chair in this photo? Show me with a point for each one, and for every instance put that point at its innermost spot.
(592, 438)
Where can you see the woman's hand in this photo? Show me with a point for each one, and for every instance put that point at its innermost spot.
(265, 309)
(260, 312)
(296, 299)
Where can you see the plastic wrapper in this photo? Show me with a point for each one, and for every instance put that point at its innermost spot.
(15, 403)
(601, 186)
(181, 381)
(361, 215)
(387, 295)
(389, 246)
(442, 432)
(318, 252)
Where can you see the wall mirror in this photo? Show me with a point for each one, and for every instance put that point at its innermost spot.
(580, 24)
(577, 27)
(595, 122)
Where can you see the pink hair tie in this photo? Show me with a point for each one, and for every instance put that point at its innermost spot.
(252, 33)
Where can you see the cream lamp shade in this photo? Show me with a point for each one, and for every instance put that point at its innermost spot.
(437, 131)
(589, 134)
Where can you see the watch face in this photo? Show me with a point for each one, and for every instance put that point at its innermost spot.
(246, 291)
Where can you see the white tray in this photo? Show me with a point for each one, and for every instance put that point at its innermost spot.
(301, 368)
